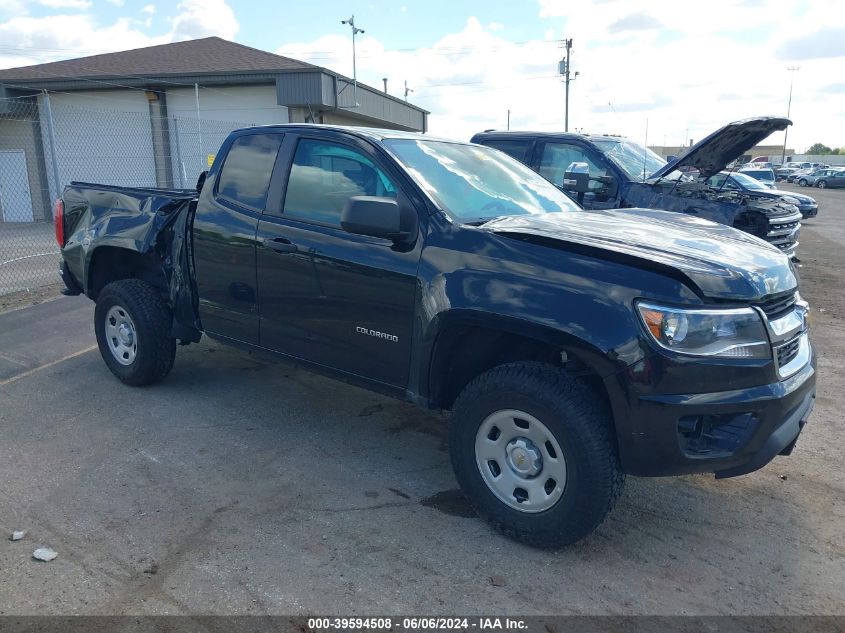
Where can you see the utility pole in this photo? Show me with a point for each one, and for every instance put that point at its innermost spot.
(407, 90)
(509, 119)
(791, 70)
(355, 31)
(384, 79)
(564, 69)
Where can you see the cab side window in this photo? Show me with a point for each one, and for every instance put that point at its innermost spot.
(325, 175)
(515, 148)
(558, 156)
(245, 176)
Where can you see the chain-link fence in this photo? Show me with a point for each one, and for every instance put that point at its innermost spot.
(44, 146)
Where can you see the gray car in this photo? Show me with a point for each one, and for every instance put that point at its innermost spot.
(823, 178)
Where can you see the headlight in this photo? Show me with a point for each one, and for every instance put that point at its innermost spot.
(737, 333)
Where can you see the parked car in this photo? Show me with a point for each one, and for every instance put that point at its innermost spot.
(823, 178)
(809, 178)
(783, 173)
(766, 176)
(623, 174)
(740, 181)
(572, 347)
(795, 176)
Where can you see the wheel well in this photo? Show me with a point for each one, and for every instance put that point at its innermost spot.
(465, 351)
(110, 264)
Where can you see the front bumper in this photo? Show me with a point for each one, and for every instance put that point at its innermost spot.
(808, 210)
(760, 423)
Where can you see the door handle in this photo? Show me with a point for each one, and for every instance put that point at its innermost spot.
(280, 245)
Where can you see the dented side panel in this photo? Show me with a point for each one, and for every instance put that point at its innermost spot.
(152, 223)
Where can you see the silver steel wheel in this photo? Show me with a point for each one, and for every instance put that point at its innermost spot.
(520, 460)
(121, 336)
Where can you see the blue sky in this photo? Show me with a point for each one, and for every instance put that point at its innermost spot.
(684, 69)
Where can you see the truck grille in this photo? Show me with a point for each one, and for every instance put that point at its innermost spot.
(782, 228)
(788, 351)
(784, 235)
(778, 306)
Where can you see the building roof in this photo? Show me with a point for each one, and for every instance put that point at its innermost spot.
(212, 61)
(209, 55)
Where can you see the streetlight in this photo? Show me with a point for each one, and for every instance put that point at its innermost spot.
(563, 69)
(355, 31)
(791, 70)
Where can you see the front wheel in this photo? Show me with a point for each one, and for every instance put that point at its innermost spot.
(802, 183)
(821, 184)
(132, 323)
(534, 452)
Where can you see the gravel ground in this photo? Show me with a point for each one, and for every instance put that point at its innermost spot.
(241, 487)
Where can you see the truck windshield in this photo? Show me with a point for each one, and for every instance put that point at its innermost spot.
(636, 161)
(473, 184)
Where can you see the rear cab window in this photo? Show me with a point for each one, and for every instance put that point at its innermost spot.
(245, 176)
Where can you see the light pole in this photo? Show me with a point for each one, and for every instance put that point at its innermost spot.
(355, 31)
(791, 70)
(563, 69)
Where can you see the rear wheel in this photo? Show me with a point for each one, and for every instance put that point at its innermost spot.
(821, 184)
(132, 323)
(534, 452)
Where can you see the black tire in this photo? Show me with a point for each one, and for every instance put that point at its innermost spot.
(802, 183)
(154, 350)
(581, 424)
(821, 184)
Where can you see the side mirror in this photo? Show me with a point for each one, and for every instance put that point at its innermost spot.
(374, 216)
(577, 178)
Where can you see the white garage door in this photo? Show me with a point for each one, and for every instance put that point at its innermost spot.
(15, 201)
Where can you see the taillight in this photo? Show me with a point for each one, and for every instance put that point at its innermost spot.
(59, 221)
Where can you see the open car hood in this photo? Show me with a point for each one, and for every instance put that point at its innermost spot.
(713, 153)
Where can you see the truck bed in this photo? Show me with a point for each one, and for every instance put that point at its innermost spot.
(153, 222)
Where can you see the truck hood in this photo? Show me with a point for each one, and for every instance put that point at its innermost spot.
(717, 261)
(712, 154)
(780, 193)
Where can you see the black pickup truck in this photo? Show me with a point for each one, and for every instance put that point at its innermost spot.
(572, 347)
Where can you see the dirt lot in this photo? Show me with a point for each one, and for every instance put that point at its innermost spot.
(241, 487)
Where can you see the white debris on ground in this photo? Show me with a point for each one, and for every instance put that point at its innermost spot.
(17, 535)
(44, 553)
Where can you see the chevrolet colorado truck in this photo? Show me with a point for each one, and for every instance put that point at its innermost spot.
(571, 347)
(624, 174)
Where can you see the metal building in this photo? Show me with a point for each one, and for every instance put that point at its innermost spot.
(154, 116)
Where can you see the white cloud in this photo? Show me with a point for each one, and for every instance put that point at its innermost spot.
(47, 38)
(149, 9)
(202, 18)
(686, 68)
(117, 3)
(79, 5)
